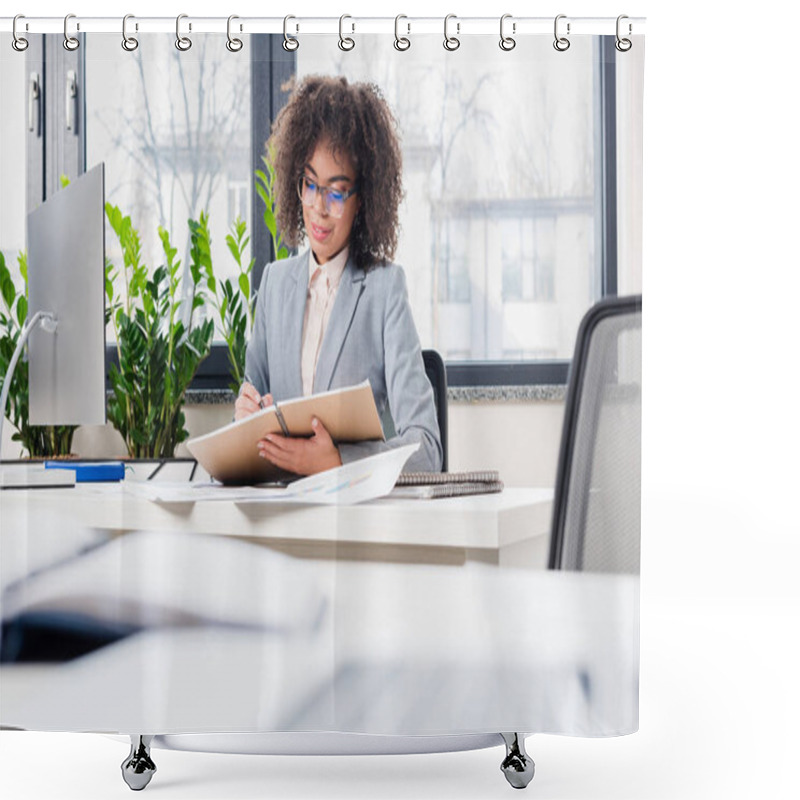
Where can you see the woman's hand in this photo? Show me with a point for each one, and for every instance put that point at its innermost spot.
(301, 456)
(249, 401)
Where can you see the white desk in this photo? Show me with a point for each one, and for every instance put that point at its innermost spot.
(507, 529)
(237, 639)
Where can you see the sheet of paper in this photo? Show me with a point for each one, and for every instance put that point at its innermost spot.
(185, 492)
(356, 482)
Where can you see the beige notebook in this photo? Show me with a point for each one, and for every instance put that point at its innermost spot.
(230, 454)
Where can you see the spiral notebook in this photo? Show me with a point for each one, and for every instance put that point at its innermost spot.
(430, 485)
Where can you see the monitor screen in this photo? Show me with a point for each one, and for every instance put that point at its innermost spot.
(66, 277)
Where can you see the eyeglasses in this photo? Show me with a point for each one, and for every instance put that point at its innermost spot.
(332, 199)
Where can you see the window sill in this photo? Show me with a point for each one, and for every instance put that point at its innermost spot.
(455, 394)
(540, 392)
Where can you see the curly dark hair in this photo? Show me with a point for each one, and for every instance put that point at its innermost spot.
(354, 119)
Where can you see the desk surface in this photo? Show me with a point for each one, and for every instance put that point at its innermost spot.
(489, 522)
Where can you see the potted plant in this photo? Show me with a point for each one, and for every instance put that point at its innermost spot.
(160, 342)
(233, 301)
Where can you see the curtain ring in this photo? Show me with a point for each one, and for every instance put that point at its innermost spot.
(623, 44)
(233, 44)
(345, 42)
(507, 42)
(451, 42)
(70, 42)
(561, 43)
(183, 43)
(19, 43)
(129, 43)
(290, 43)
(401, 42)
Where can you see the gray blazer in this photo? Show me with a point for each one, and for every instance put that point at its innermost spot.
(370, 334)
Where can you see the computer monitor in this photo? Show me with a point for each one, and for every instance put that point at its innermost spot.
(66, 277)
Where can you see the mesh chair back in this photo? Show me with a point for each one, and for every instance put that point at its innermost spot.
(597, 507)
(437, 375)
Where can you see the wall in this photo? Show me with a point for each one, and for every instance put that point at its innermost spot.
(520, 439)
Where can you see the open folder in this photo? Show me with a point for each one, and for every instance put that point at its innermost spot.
(230, 454)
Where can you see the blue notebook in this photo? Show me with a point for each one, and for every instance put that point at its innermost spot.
(91, 471)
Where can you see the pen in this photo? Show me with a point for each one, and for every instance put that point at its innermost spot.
(250, 381)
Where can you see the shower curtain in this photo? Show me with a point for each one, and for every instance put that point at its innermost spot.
(521, 209)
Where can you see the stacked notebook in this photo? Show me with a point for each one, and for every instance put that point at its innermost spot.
(427, 485)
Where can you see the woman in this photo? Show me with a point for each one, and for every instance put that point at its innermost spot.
(338, 313)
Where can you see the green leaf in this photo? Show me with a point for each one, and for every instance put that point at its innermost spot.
(269, 221)
(8, 290)
(22, 260)
(169, 251)
(22, 310)
(159, 276)
(233, 246)
(114, 218)
(244, 285)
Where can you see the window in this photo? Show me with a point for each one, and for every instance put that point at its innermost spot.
(174, 132)
(505, 198)
(528, 259)
(509, 222)
(452, 254)
(238, 201)
(179, 133)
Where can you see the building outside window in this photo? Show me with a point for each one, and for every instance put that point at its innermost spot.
(501, 208)
(505, 201)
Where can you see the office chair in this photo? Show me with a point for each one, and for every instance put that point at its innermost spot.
(596, 508)
(437, 375)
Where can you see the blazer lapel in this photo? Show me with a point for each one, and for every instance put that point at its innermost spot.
(295, 309)
(344, 308)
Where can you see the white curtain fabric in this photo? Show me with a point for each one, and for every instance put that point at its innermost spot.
(212, 634)
(222, 635)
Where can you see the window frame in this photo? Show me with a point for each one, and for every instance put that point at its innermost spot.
(271, 67)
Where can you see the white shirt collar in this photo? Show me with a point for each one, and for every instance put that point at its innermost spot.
(332, 269)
